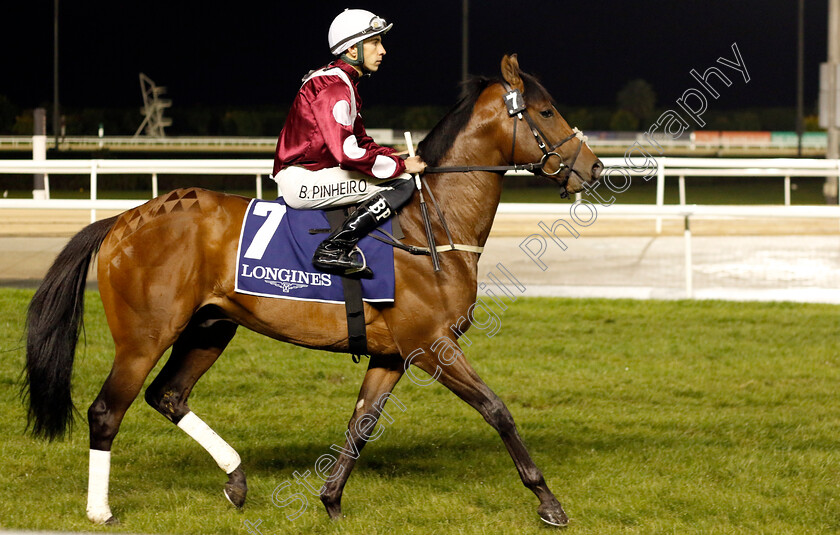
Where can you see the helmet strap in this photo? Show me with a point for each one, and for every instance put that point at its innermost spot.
(360, 56)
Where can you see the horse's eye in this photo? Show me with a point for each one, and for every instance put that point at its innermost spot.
(547, 113)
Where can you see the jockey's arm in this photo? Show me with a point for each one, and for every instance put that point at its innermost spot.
(346, 140)
(413, 165)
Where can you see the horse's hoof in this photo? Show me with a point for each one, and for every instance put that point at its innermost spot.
(554, 515)
(335, 512)
(333, 508)
(102, 516)
(236, 489)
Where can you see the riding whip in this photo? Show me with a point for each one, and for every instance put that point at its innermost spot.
(427, 224)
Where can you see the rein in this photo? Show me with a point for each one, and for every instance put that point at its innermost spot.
(530, 167)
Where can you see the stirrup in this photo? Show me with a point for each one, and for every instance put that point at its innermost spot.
(342, 269)
(363, 272)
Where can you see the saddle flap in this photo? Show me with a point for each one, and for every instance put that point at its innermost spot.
(274, 257)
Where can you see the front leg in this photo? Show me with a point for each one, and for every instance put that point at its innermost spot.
(382, 375)
(459, 376)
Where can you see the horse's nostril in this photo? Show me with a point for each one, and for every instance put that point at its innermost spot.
(596, 170)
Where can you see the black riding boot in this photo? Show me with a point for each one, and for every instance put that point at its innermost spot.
(336, 254)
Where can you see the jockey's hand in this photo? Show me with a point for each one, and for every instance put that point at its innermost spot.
(415, 165)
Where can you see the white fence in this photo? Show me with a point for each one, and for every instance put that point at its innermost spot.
(661, 168)
(95, 168)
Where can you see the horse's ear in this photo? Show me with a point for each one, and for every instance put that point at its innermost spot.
(510, 72)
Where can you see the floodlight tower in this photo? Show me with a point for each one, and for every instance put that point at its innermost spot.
(153, 108)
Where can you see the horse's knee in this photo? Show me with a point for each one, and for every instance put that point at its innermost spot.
(167, 401)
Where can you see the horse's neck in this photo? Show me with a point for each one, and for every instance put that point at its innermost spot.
(468, 200)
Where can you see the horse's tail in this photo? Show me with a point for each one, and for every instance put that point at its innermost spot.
(53, 323)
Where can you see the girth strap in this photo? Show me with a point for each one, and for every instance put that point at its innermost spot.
(356, 330)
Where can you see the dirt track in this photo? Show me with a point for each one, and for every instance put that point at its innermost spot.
(614, 257)
(65, 223)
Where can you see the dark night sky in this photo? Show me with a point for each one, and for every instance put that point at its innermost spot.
(254, 52)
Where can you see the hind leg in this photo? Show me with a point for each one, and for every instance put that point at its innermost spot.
(196, 350)
(382, 375)
(132, 365)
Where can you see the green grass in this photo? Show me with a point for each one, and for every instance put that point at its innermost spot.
(645, 417)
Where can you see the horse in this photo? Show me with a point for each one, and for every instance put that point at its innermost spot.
(166, 279)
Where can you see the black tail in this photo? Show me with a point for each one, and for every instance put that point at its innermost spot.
(53, 324)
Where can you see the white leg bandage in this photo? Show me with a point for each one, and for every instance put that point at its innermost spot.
(98, 510)
(225, 456)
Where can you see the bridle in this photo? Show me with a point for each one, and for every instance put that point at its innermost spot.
(517, 109)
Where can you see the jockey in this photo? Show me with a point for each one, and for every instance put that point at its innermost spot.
(325, 158)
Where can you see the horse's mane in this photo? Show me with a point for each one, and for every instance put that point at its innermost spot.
(435, 145)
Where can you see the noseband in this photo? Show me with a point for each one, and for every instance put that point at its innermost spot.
(517, 109)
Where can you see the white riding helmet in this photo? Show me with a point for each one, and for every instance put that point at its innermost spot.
(353, 26)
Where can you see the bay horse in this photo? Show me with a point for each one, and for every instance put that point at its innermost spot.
(166, 279)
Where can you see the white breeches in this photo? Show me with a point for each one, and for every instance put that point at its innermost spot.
(333, 186)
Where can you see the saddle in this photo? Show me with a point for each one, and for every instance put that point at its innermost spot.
(274, 260)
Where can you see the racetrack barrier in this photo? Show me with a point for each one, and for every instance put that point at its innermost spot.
(661, 168)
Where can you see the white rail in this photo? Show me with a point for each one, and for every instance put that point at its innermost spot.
(123, 167)
(660, 168)
(94, 168)
(678, 211)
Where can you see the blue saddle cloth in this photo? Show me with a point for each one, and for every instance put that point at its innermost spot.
(274, 258)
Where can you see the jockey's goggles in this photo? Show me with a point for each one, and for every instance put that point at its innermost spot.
(376, 23)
